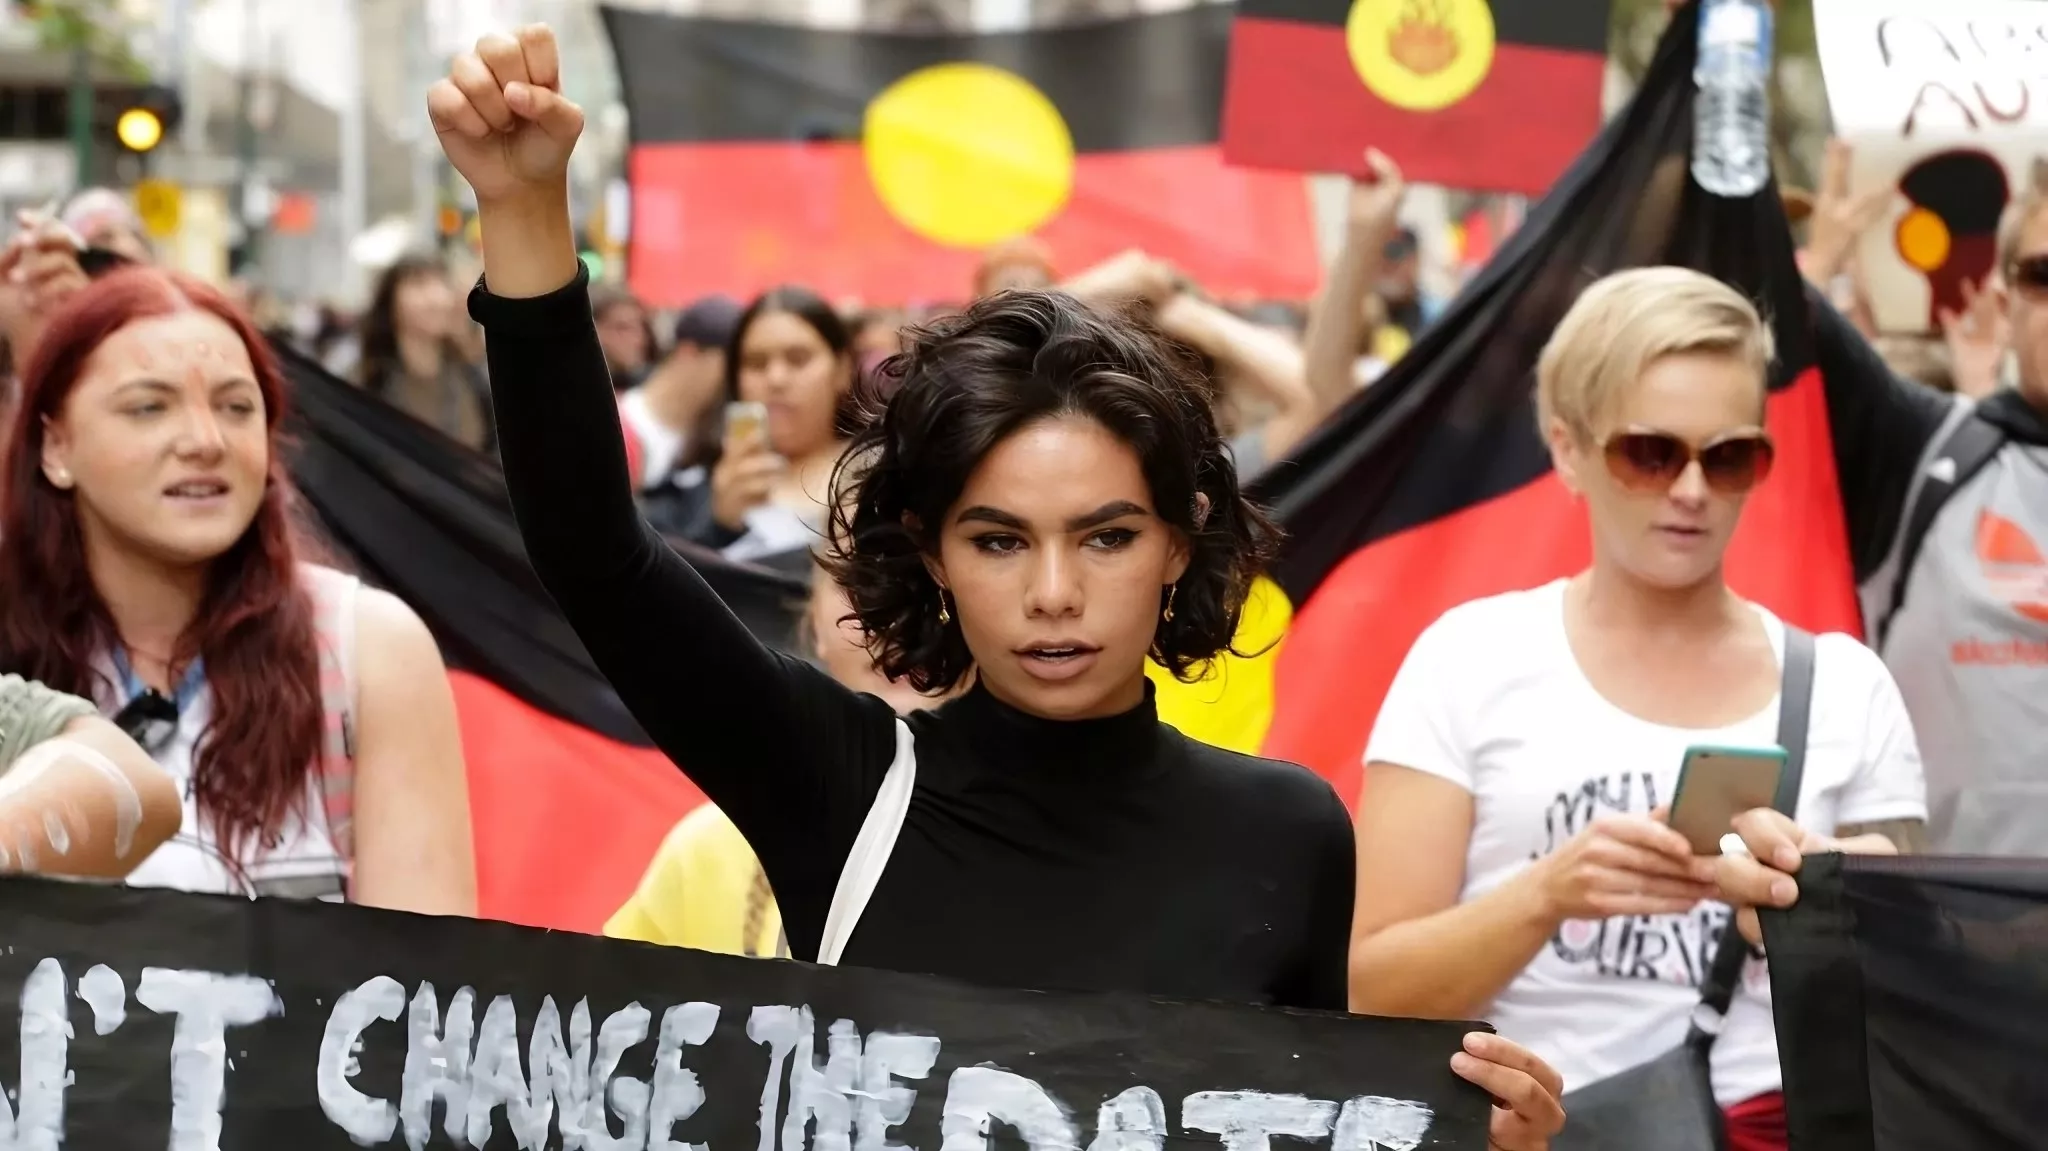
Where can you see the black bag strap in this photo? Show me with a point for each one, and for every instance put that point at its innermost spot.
(1971, 444)
(1795, 709)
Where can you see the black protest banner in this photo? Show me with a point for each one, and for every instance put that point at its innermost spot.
(154, 1018)
(1910, 996)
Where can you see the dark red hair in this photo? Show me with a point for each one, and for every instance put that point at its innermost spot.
(255, 626)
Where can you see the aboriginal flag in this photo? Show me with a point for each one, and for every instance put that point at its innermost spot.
(1432, 487)
(881, 165)
(1493, 95)
(568, 799)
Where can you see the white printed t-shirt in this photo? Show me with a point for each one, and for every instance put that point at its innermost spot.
(1492, 699)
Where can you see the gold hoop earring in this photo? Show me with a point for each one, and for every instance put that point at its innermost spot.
(1171, 589)
(945, 616)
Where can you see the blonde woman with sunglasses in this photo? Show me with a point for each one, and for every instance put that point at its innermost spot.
(1515, 860)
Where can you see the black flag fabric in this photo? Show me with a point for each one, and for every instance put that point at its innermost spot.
(1910, 994)
(1433, 486)
(568, 799)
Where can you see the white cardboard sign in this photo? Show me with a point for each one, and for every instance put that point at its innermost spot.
(1948, 102)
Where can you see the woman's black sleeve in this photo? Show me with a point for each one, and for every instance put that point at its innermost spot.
(1880, 425)
(1325, 970)
(792, 757)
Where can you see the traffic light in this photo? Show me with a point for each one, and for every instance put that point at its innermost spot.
(148, 118)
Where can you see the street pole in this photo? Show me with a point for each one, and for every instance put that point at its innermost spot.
(182, 63)
(81, 111)
(245, 139)
(426, 150)
(353, 152)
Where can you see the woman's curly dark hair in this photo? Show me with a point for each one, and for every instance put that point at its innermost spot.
(967, 382)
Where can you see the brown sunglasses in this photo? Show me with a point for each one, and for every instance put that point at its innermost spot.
(2029, 275)
(1645, 461)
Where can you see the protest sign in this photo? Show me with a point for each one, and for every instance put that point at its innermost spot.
(158, 1019)
(1948, 103)
(1909, 993)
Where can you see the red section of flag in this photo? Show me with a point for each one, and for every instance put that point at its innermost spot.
(564, 820)
(741, 218)
(1791, 554)
(1295, 101)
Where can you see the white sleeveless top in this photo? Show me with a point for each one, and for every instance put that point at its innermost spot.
(306, 862)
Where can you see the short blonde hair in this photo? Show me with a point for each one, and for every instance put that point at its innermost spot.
(1627, 321)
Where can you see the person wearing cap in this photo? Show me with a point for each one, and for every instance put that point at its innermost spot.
(664, 411)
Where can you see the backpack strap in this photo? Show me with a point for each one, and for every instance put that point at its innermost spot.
(1971, 444)
(1795, 711)
(334, 600)
(1795, 715)
(871, 850)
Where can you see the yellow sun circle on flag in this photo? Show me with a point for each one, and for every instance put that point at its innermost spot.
(1924, 240)
(1422, 55)
(967, 155)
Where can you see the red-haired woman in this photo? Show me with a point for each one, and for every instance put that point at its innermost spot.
(149, 561)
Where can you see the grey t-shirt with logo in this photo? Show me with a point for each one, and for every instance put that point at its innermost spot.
(1969, 644)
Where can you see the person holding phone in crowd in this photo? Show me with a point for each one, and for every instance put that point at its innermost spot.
(753, 483)
(1514, 856)
(1045, 502)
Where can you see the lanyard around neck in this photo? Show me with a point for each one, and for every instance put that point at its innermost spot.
(132, 687)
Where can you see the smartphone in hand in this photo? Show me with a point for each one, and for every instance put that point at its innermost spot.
(1716, 784)
(746, 420)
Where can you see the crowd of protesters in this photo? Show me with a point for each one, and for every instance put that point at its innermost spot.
(200, 699)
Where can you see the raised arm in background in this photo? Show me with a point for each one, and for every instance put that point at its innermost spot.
(791, 756)
(1263, 361)
(1124, 279)
(1841, 215)
(39, 269)
(1880, 422)
(1979, 338)
(1337, 324)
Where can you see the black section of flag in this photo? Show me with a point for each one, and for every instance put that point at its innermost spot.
(1453, 423)
(1140, 82)
(422, 516)
(1567, 25)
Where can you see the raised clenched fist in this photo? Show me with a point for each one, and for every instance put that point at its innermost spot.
(502, 119)
(1376, 197)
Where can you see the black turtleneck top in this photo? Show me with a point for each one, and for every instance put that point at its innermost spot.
(1110, 854)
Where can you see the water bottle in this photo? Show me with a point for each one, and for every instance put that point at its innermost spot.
(1731, 147)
